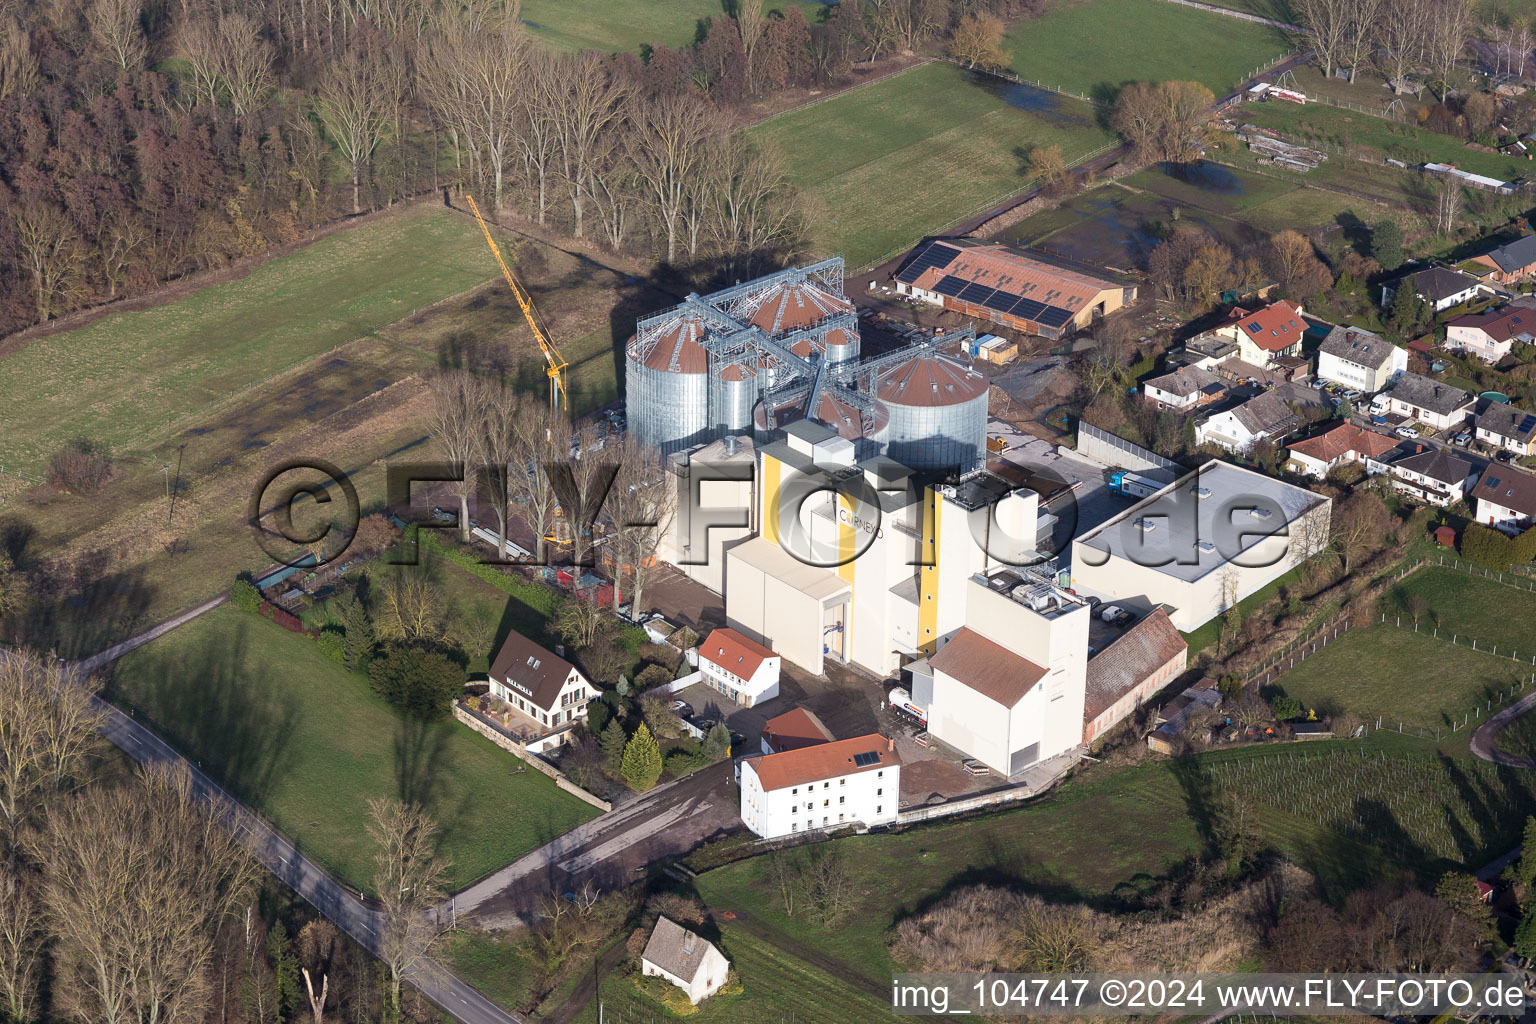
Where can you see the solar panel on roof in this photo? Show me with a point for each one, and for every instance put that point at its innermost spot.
(975, 293)
(1055, 317)
(1027, 309)
(1000, 301)
(950, 285)
(865, 760)
(1527, 423)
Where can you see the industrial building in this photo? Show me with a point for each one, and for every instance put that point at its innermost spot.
(867, 561)
(1009, 287)
(746, 361)
(1201, 544)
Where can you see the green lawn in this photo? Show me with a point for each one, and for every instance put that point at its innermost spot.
(1471, 607)
(627, 25)
(1095, 47)
(495, 963)
(131, 379)
(909, 156)
(1083, 841)
(1380, 137)
(1399, 675)
(1210, 186)
(1208, 633)
(777, 987)
(306, 743)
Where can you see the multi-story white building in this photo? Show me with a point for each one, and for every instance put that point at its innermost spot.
(548, 694)
(1507, 427)
(825, 785)
(1360, 359)
(1505, 498)
(1007, 688)
(1491, 335)
(1267, 334)
(739, 667)
(1432, 477)
(1433, 404)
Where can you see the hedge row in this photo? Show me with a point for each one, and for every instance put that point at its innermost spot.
(540, 598)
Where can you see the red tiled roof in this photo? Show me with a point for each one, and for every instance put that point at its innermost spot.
(824, 761)
(795, 729)
(734, 652)
(1125, 664)
(1014, 273)
(1344, 438)
(986, 667)
(1275, 327)
(1501, 324)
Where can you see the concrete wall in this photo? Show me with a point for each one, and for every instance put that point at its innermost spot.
(774, 614)
(1111, 450)
(505, 742)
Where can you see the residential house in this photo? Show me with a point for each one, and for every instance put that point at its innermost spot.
(1207, 351)
(1185, 388)
(1506, 498)
(825, 785)
(1435, 405)
(1432, 477)
(1135, 665)
(1263, 417)
(1267, 334)
(1439, 286)
(739, 667)
(1491, 335)
(1360, 359)
(685, 959)
(549, 694)
(1507, 427)
(796, 728)
(1508, 263)
(1343, 444)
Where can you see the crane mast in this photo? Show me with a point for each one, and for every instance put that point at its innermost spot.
(554, 363)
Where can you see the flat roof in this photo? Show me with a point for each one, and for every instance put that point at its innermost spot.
(811, 580)
(1201, 521)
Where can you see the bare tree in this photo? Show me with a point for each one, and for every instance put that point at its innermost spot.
(117, 32)
(1448, 200)
(669, 141)
(23, 942)
(588, 104)
(1360, 38)
(978, 41)
(1328, 25)
(49, 731)
(409, 607)
(755, 207)
(136, 880)
(1450, 22)
(408, 881)
(457, 416)
(495, 454)
(640, 509)
(19, 71)
(582, 487)
(245, 62)
(318, 944)
(536, 130)
(355, 105)
(50, 251)
(477, 76)
(750, 21)
(1359, 522)
(543, 443)
(1402, 29)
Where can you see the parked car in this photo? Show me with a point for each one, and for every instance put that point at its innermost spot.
(1406, 432)
(1505, 455)
(1353, 395)
(1462, 439)
(1318, 385)
(682, 708)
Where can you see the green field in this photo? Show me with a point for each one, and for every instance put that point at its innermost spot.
(776, 988)
(909, 156)
(1379, 137)
(130, 379)
(1399, 675)
(306, 743)
(627, 25)
(494, 963)
(1095, 47)
(1470, 607)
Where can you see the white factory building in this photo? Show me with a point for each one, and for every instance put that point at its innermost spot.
(823, 785)
(1008, 687)
(1202, 543)
(864, 562)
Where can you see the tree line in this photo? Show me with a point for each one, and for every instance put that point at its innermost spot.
(143, 142)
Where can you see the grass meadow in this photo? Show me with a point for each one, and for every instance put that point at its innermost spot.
(1095, 47)
(1470, 607)
(129, 380)
(913, 154)
(612, 26)
(306, 743)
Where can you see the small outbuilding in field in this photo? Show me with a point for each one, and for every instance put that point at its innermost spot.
(685, 959)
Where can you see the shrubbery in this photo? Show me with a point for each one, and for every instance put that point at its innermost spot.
(333, 644)
(81, 467)
(1495, 550)
(541, 599)
(421, 682)
(244, 595)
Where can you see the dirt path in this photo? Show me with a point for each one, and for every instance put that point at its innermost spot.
(1485, 738)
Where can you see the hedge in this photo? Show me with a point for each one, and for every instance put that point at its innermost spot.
(536, 596)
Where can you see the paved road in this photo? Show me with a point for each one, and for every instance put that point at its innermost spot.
(1485, 738)
(277, 854)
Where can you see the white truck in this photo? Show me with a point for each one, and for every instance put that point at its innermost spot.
(901, 701)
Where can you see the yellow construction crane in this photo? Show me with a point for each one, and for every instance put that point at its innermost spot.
(555, 368)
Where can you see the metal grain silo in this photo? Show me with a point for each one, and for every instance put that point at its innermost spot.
(733, 392)
(938, 413)
(842, 345)
(666, 378)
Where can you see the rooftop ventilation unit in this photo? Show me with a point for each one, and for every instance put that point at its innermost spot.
(1145, 525)
(1261, 513)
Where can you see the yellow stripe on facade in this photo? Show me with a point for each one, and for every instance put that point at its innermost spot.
(771, 498)
(928, 578)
